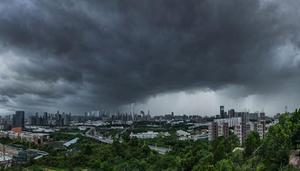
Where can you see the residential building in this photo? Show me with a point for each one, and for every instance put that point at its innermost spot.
(216, 129)
(212, 131)
(238, 131)
(261, 129)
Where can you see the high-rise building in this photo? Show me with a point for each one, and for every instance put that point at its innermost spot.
(223, 130)
(45, 118)
(242, 123)
(238, 131)
(216, 129)
(66, 119)
(222, 111)
(231, 121)
(231, 113)
(262, 116)
(212, 131)
(261, 129)
(253, 116)
(243, 130)
(18, 119)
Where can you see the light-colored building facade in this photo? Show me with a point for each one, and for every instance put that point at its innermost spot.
(230, 121)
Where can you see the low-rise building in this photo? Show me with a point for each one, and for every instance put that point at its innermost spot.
(144, 135)
(183, 135)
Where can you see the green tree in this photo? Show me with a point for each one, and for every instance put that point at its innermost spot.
(275, 149)
(219, 149)
(224, 165)
(252, 142)
(203, 167)
(231, 142)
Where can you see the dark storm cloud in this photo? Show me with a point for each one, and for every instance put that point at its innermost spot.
(116, 52)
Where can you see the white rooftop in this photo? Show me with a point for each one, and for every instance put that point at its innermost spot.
(5, 158)
(73, 141)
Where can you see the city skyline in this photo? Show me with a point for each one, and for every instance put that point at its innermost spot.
(136, 110)
(165, 56)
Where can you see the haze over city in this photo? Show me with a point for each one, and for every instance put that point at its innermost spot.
(164, 56)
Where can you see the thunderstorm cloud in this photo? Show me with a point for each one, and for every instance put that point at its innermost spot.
(82, 55)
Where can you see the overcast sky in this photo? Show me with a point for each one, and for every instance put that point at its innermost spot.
(186, 56)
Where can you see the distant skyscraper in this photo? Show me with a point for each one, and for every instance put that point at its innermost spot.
(18, 119)
(262, 115)
(66, 119)
(45, 119)
(132, 111)
(222, 111)
(231, 113)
